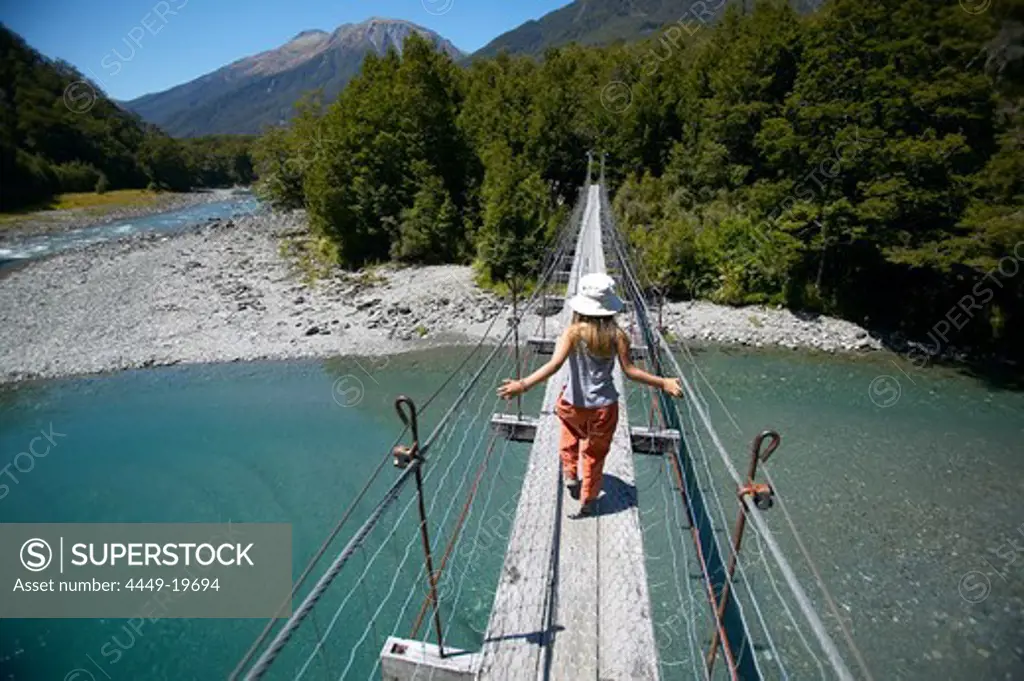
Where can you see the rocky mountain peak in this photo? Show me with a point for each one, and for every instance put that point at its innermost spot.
(261, 89)
(308, 36)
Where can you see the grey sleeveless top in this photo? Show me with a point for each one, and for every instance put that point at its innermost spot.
(590, 383)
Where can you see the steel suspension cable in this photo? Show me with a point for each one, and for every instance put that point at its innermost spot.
(264, 662)
(300, 614)
(288, 629)
(312, 563)
(457, 531)
(546, 271)
(784, 507)
(697, 520)
(814, 621)
(405, 558)
(409, 545)
(635, 290)
(408, 599)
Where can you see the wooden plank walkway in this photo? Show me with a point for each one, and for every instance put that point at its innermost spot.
(572, 599)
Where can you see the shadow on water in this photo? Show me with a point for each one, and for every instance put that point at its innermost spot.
(1002, 374)
(995, 371)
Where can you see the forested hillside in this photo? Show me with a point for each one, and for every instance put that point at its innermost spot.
(864, 161)
(588, 22)
(602, 22)
(59, 133)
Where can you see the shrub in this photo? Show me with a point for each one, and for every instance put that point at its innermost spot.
(76, 176)
(26, 179)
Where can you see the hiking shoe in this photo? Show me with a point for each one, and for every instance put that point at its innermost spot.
(588, 509)
(574, 489)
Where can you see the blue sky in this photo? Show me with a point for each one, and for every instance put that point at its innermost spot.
(133, 47)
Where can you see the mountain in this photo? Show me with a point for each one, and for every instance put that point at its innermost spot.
(588, 22)
(599, 22)
(261, 90)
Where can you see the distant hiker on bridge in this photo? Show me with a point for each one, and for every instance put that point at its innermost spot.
(588, 405)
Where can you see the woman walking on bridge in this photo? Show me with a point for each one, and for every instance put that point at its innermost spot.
(588, 405)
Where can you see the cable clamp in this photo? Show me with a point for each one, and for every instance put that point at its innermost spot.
(763, 494)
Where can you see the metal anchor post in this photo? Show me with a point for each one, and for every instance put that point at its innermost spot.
(764, 499)
(410, 456)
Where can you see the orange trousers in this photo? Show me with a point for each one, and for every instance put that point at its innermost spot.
(587, 432)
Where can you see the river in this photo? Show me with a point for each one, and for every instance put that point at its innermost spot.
(166, 223)
(908, 510)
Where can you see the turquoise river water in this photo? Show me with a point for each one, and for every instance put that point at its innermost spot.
(911, 507)
(167, 223)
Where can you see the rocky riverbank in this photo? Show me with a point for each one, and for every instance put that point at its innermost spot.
(758, 326)
(224, 292)
(221, 293)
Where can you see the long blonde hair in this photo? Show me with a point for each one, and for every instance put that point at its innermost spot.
(600, 335)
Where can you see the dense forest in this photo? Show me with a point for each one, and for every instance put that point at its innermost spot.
(864, 161)
(59, 133)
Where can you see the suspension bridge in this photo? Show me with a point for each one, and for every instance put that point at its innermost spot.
(467, 561)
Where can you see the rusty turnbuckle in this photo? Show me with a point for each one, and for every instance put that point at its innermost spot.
(763, 497)
(405, 456)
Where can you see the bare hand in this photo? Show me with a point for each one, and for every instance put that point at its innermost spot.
(510, 388)
(672, 387)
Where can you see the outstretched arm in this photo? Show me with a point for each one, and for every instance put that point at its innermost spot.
(635, 373)
(510, 388)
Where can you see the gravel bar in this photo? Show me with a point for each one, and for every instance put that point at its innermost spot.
(224, 292)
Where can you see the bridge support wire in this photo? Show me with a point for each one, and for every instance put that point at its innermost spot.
(750, 506)
(515, 334)
(454, 538)
(732, 627)
(403, 457)
(288, 630)
(264, 661)
(762, 495)
(730, 624)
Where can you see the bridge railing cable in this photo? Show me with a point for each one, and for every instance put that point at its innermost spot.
(838, 618)
(681, 619)
(460, 442)
(702, 432)
(733, 628)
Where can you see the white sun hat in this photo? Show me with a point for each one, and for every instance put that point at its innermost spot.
(595, 296)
